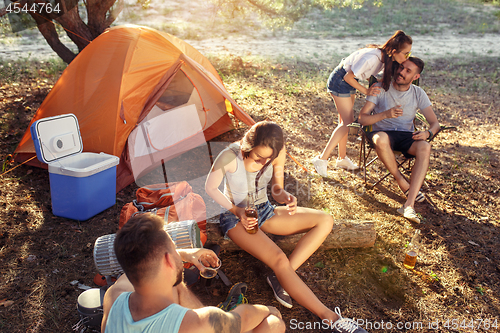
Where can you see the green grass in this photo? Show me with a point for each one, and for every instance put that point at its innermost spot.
(454, 75)
(13, 71)
(466, 75)
(372, 19)
(414, 17)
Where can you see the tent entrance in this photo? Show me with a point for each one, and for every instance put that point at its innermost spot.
(174, 125)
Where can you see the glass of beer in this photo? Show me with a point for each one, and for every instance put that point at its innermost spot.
(412, 251)
(410, 259)
(210, 272)
(251, 211)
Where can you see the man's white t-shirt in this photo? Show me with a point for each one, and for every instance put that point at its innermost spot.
(411, 101)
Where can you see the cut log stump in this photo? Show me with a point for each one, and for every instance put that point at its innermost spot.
(344, 234)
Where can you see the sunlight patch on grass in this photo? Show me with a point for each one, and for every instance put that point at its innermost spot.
(15, 70)
(414, 17)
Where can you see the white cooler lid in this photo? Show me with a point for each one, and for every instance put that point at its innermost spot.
(56, 137)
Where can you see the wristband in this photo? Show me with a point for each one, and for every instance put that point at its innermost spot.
(431, 135)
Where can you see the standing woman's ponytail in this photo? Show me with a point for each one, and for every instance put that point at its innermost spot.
(394, 44)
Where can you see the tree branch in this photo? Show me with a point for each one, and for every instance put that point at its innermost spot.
(49, 32)
(96, 12)
(263, 8)
(76, 29)
(114, 12)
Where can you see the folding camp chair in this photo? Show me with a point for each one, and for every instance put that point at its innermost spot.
(404, 163)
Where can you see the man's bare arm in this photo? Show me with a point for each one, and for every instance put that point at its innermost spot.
(210, 319)
(221, 321)
(431, 118)
(365, 117)
(120, 286)
(244, 318)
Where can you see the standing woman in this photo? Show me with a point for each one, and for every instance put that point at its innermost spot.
(343, 82)
(247, 167)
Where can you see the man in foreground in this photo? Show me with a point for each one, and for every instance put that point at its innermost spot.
(156, 299)
(391, 115)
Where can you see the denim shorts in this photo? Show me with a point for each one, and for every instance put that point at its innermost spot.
(228, 220)
(400, 141)
(336, 84)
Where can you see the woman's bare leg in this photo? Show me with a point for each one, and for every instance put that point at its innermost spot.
(344, 107)
(342, 146)
(316, 223)
(264, 249)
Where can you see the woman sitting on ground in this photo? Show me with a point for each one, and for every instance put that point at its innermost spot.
(247, 167)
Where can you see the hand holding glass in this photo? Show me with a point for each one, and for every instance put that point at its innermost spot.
(210, 272)
(251, 211)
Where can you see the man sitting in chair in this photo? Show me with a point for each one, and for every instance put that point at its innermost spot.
(391, 114)
(156, 300)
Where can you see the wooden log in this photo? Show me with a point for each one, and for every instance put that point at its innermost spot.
(344, 234)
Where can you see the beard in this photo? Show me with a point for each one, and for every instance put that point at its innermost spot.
(180, 273)
(402, 81)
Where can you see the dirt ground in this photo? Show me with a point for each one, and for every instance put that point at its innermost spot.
(454, 288)
(457, 276)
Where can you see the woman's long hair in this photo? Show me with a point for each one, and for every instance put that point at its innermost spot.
(396, 42)
(263, 133)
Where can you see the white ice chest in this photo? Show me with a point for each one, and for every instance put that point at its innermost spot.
(81, 184)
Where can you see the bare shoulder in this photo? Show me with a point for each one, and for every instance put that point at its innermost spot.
(280, 160)
(210, 319)
(226, 161)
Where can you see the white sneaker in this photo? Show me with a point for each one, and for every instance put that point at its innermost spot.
(346, 164)
(409, 213)
(320, 166)
(346, 325)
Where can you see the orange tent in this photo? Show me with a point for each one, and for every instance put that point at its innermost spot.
(142, 95)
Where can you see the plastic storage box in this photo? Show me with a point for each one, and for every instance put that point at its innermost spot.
(81, 184)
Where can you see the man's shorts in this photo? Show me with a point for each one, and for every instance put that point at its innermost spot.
(228, 220)
(336, 84)
(399, 140)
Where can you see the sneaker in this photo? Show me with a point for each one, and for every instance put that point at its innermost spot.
(420, 196)
(346, 325)
(409, 213)
(346, 164)
(235, 297)
(280, 293)
(320, 166)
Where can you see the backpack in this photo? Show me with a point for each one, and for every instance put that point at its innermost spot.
(174, 202)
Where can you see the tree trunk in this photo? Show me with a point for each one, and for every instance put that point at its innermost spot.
(97, 10)
(49, 32)
(75, 28)
(100, 16)
(344, 234)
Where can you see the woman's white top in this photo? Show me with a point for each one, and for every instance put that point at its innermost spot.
(364, 63)
(239, 183)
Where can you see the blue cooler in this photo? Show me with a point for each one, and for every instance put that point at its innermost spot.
(81, 184)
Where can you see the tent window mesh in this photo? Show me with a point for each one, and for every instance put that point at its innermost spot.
(177, 93)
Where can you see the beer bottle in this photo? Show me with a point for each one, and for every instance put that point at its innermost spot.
(251, 211)
(412, 251)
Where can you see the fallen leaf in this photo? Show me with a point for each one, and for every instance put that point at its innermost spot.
(6, 302)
